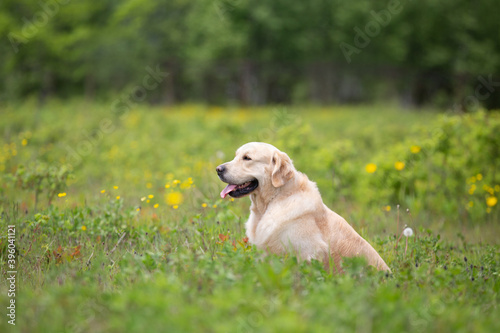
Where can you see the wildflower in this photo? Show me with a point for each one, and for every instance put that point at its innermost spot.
(103, 191)
(167, 185)
(204, 205)
(175, 206)
(472, 189)
(185, 185)
(138, 209)
(174, 198)
(214, 206)
(371, 168)
(151, 196)
(399, 165)
(387, 208)
(415, 149)
(24, 142)
(147, 201)
(156, 206)
(115, 187)
(190, 180)
(84, 228)
(491, 201)
(479, 176)
(60, 195)
(408, 232)
(232, 199)
(118, 198)
(143, 198)
(472, 179)
(177, 181)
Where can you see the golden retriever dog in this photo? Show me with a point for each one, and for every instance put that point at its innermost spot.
(287, 214)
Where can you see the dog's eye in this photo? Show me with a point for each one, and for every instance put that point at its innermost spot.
(246, 158)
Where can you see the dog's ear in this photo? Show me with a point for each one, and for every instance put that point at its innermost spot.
(282, 169)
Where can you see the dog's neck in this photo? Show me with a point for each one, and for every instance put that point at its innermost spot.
(265, 196)
(260, 202)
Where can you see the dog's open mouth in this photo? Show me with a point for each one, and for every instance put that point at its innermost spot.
(237, 191)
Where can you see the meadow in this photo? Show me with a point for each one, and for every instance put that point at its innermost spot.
(119, 226)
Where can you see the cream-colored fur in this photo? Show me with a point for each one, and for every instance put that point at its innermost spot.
(287, 213)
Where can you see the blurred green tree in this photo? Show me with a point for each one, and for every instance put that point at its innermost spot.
(434, 52)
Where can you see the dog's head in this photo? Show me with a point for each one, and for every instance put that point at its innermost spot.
(256, 166)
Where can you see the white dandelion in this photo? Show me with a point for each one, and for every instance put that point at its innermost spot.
(408, 232)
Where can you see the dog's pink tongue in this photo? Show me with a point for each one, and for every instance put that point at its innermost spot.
(225, 191)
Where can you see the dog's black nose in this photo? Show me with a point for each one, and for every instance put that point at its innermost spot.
(220, 169)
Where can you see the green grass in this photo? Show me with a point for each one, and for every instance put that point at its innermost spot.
(170, 255)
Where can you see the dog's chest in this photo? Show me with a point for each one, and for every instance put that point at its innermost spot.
(251, 225)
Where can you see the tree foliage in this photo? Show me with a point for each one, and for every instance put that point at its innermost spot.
(255, 52)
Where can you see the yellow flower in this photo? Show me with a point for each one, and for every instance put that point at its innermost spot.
(175, 206)
(177, 181)
(479, 176)
(185, 185)
(399, 165)
(472, 189)
(84, 228)
(143, 198)
(118, 198)
(24, 142)
(138, 209)
(151, 196)
(387, 208)
(491, 201)
(60, 195)
(156, 206)
(415, 149)
(190, 180)
(174, 198)
(204, 205)
(471, 204)
(167, 185)
(115, 187)
(103, 191)
(214, 206)
(371, 168)
(147, 201)
(472, 179)
(232, 199)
